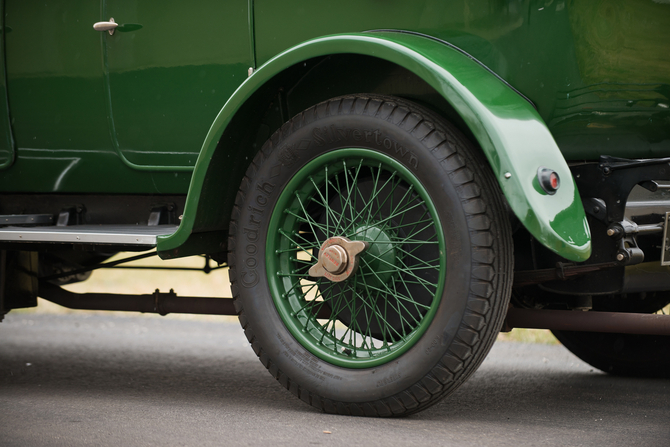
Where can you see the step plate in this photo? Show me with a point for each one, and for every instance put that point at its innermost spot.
(89, 234)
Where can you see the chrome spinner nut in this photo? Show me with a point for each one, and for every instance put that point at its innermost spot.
(338, 258)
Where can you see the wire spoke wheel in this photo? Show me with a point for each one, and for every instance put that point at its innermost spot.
(370, 256)
(384, 306)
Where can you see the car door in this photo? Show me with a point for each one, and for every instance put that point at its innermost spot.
(6, 140)
(171, 66)
(56, 95)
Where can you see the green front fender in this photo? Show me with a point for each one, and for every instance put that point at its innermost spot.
(509, 130)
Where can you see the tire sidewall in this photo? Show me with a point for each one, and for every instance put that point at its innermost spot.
(298, 145)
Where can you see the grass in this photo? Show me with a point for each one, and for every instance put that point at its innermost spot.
(543, 336)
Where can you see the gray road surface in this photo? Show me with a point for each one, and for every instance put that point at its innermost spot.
(88, 379)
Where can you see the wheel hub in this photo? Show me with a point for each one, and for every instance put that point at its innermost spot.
(338, 259)
(381, 256)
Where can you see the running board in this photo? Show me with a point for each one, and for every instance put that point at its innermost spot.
(127, 235)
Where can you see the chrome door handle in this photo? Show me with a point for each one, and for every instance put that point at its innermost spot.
(106, 26)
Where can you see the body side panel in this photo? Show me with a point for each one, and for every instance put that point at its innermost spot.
(169, 73)
(6, 138)
(168, 91)
(597, 71)
(507, 127)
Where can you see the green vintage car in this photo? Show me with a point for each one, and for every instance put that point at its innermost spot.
(390, 183)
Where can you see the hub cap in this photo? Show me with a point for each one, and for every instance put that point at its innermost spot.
(338, 259)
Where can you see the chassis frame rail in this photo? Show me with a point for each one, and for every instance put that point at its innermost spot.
(573, 320)
(166, 303)
(157, 302)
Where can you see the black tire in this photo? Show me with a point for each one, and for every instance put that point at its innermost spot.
(620, 354)
(464, 318)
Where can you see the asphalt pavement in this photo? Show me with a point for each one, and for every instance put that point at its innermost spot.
(87, 379)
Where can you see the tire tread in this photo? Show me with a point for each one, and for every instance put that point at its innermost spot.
(492, 261)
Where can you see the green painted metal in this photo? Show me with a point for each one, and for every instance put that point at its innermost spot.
(601, 84)
(382, 257)
(252, 33)
(117, 114)
(86, 115)
(56, 96)
(180, 83)
(6, 139)
(510, 131)
(394, 294)
(617, 101)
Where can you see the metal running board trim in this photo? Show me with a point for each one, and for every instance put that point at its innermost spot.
(27, 219)
(88, 234)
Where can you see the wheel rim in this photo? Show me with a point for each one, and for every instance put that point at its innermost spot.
(383, 308)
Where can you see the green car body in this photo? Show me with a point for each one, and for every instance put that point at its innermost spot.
(143, 111)
(162, 108)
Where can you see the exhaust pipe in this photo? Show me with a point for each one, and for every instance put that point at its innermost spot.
(572, 320)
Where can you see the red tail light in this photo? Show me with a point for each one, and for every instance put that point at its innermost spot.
(549, 180)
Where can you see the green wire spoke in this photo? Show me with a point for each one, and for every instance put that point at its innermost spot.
(377, 191)
(310, 302)
(426, 264)
(398, 296)
(290, 275)
(290, 250)
(303, 219)
(365, 304)
(283, 233)
(394, 267)
(394, 291)
(308, 244)
(386, 219)
(375, 312)
(353, 323)
(349, 189)
(413, 231)
(402, 280)
(394, 210)
(328, 208)
(367, 318)
(336, 309)
(302, 261)
(400, 304)
(402, 217)
(395, 294)
(309, 218)
(423, 282)
(378, 312)
(329, 212)
(295, 287)
(411, 269)
(385, 320)
(412, 242)
(339, 225)
(354, 189)
(409, 281)
(379, 207)
(367, 205)
(397, 227)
